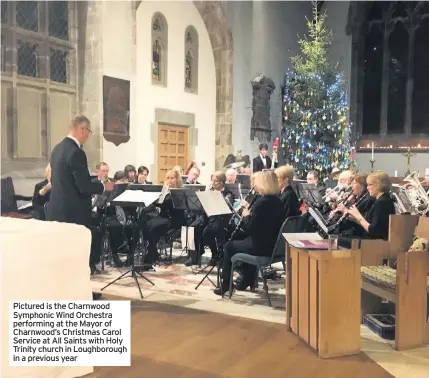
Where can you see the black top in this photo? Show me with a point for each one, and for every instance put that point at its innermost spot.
(267, 216)
(176, 216)
(39, 201)
(378, 217)
(70, 199)
(290, 202)
(258, 164)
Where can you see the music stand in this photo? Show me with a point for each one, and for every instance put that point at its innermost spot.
(234, 189)
(310, 193)
(134, 199)
(214, 204)
(186, 199)
(244, 180)
(146, 187)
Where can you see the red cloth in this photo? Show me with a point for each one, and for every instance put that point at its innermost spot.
(276, 143)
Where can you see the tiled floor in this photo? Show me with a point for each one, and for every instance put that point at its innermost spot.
(176, 285)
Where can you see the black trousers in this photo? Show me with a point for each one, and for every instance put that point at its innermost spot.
(153, 230)
(230, 249)
(96, 239)
(117, 234)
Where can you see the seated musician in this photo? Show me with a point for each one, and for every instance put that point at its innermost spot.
(313, 178)
(287, 194)
(42, 191)
(361, 199)
(102, 170)
(211, 231)
(115, 219)
(231, 176)
(169, 218)
(263, 222)
(376, 222)
(193, 175)
(130, 172)
(142, 174)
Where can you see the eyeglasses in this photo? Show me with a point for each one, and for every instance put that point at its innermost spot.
(87, 129)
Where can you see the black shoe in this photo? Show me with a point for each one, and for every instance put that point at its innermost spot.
(94, 269)
(224, 288)
(96, 296)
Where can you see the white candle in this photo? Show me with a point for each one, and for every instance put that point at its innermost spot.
(396, 173)
(372, 151)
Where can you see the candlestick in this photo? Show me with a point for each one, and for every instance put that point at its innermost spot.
(372, 161)
(372, 151)
(396, 173)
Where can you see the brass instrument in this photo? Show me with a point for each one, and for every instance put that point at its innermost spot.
(416, 193)
(337, 190)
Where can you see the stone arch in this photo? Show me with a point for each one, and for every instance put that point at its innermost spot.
(220, 36)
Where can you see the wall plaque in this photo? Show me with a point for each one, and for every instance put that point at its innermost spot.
(116, 110)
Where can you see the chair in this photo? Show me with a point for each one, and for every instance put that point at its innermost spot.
(290, 225)
(168, 240)
(9, 199)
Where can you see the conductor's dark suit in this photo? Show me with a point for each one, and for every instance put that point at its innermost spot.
(258, 164)
(70, 199)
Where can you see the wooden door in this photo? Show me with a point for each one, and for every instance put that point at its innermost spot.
(172, 148)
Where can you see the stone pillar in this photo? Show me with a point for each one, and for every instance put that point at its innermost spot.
(90, 62)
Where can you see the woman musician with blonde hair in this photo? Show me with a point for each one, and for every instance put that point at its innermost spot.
(263, 223)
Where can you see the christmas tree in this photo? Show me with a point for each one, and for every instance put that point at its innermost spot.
(315, 129)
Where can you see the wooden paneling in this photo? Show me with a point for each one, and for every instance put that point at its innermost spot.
(29, 123)
(60, 115)
(173, 145)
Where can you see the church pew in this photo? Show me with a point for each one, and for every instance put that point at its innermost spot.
(410, 289)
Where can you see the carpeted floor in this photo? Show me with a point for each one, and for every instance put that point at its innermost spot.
(181, 280)
(171, 341)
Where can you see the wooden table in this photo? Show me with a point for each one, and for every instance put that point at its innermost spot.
(323, 299)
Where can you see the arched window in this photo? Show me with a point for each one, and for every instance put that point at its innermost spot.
(191, 60)
(159, 49)
(391, 79)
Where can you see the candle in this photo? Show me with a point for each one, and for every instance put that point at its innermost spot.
(372, 151)
(396, 173)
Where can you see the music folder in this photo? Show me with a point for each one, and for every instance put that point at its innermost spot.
(213, 203)
(136, 198)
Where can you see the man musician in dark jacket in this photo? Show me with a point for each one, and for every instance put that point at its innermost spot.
(70, 199)
(263, 161)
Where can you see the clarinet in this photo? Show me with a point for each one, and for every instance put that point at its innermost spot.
(346, 215)
(238, 226)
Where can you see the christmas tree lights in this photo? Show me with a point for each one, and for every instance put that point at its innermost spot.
(315, 129)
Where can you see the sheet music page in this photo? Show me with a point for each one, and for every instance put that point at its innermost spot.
(137, 196)
(318, 220)
(213, 203)
(165, 191)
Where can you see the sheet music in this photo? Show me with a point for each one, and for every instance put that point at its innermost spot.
(138, 197)
(25, 206)
(213, 203)
(318, 220)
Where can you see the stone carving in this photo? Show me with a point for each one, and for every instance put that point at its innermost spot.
(261, 123)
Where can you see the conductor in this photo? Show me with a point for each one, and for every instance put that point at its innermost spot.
(70, 199)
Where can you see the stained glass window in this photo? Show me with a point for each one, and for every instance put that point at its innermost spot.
(191, 59)
(156, 61)
(188, 70)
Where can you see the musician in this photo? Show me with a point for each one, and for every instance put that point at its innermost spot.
(70, 199)
(193, 175)
(263, 224)
(142, 174)
(363, 202)
(287, 194)
(213, 228)
(130, 171)
(42, 192)
(344, 181)
(262, 161)
(169, 218)
(231, 176)
(313, 179)
(102, 170)
(376, 222)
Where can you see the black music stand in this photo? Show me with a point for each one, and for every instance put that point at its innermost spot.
(213, 204)
(146, 187)
(186, 199)
(234, 189)
(310, 193)
(134, 201)
(244, 180)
